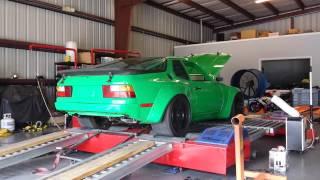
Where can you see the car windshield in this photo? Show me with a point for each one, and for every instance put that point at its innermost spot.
(141, 64)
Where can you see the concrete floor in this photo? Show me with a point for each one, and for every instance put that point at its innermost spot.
(302, 166)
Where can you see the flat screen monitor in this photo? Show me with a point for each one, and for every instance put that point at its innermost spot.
(285, 73)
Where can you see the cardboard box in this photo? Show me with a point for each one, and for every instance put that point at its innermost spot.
(235, 35)
(264, 33)
(274, 34)
(293, 31)
(84, 57)
(247, 34)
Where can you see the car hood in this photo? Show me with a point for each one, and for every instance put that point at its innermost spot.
(210, 63)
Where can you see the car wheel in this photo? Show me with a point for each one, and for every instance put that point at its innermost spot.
(176, 119)
(237, 105)
(255, 106)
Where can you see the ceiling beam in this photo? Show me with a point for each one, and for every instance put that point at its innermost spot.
(310, 9)
(271, 7)
(161, 35)
(161, 7)
(206, 10)
(186, 10)
(170, 3)
(300, 4)
(238, 8)
(201, 16)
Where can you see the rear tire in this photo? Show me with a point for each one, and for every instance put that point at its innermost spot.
(237, 105)
(176, 119)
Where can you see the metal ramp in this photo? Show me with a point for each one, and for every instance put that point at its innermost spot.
(260, 127)
(18, 152)
(115, 163)
(257, 128)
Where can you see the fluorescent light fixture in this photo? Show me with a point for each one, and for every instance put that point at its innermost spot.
(218, 66)
(261, 1)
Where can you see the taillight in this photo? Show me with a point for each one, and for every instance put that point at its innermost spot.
(64, 91)
(118, 91)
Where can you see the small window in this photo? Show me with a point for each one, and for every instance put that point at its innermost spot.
(179, 70)
(158, 67)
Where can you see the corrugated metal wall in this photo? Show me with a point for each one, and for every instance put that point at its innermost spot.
(309, 22)
(26, 23)
(152, 46)
(306, 23)
(101, 8)
(157, 20)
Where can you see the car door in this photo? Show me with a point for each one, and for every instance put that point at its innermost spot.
(215, 90)
(208, 92)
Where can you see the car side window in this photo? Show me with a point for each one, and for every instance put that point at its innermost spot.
(158, 67)
(195, 73)
(179, 70)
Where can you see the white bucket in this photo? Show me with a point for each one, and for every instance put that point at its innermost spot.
(70, 56)
(7, 122)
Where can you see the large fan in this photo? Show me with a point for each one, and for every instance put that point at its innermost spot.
(251, 82)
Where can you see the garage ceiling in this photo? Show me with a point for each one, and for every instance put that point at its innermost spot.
(228, 14)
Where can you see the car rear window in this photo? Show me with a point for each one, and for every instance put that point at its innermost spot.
(140, 64)
(122, 66)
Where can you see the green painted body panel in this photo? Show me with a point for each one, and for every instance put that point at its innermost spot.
(212, 101)
(210, 63)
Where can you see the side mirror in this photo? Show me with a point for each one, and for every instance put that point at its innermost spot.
(219, 79)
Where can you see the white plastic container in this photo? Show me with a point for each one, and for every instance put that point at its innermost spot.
(70, 56)
(278, 161)
(7, 122)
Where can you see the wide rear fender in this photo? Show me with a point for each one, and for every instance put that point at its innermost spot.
(230, 94)
(162, 100)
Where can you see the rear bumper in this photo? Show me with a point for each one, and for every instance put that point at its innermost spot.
(105, 110)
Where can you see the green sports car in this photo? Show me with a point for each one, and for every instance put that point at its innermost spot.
(168, 93)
